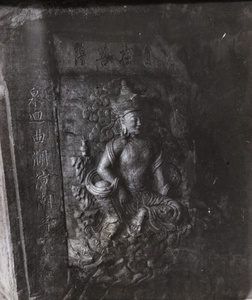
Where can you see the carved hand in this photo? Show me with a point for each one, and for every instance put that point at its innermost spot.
(164, 190)
(124, 195)
(124, 198)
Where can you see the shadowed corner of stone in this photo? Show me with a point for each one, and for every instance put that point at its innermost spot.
(249, 297)
(9, 15)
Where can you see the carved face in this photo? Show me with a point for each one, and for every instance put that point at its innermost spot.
(132, 122)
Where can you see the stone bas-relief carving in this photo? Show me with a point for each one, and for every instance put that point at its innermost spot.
(60, 85)
(128, 227)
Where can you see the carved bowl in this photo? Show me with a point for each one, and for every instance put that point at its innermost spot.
(100, 188)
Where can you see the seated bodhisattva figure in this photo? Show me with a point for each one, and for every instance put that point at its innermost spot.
(134, 161)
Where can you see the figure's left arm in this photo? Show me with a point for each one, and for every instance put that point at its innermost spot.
(158, 175)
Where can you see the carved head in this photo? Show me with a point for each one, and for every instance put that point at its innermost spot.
(131, 123)
(128, 108)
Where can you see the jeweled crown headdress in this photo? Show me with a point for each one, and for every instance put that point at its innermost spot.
(127, 101)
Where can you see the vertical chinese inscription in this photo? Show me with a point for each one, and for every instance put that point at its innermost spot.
(40, 155)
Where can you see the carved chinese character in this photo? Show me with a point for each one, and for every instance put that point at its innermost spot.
(45, 200)
(36, 117)
(42, 199)
(126, 55)
(80, 54)
(42, 180)
(45, 222)
(34, 100)
(40, 158)
(38, 137)
(105, 57)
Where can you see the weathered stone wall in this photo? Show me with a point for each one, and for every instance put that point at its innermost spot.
(199, 59)
(8, 280)
(38, 173)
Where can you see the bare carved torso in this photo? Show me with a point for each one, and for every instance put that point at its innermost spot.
(134, 162)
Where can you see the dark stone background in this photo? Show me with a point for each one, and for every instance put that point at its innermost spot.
(201, 61)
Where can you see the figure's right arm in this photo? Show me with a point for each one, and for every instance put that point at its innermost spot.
(104, 169)
(108, 159)
(108, 173)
